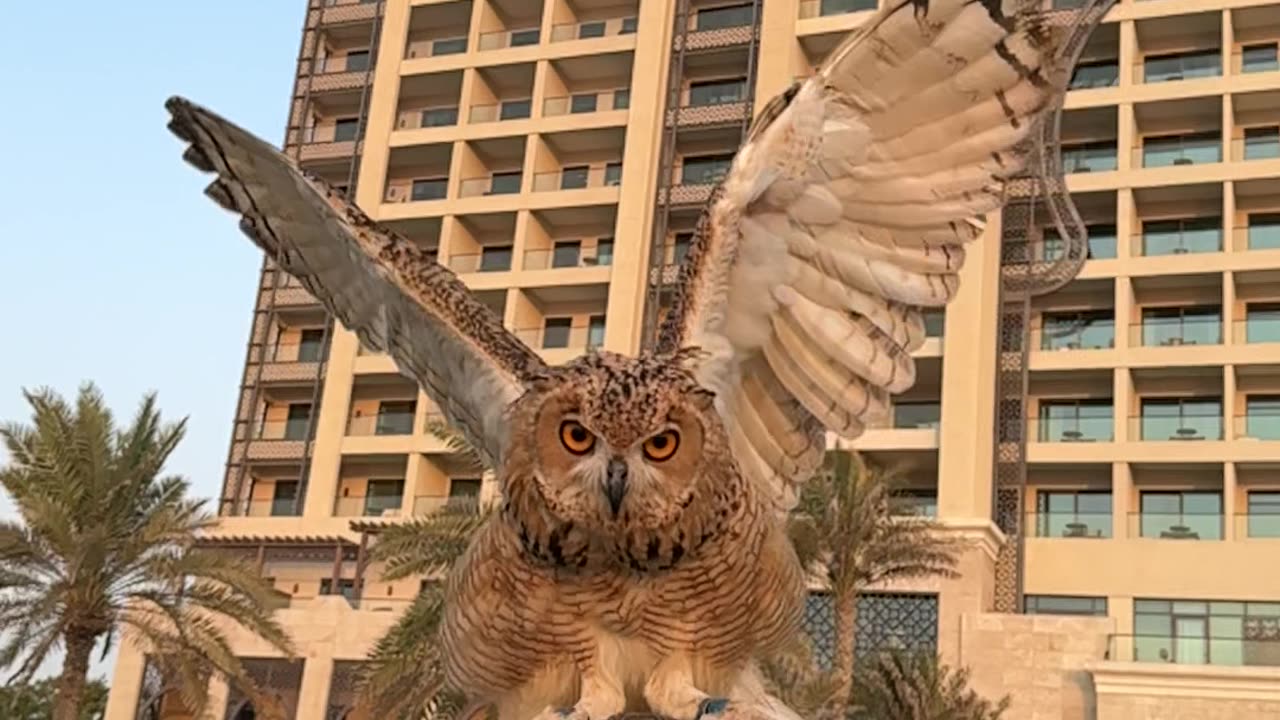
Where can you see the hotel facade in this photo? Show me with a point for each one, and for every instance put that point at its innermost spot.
(1111, 448)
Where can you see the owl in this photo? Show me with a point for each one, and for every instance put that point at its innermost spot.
(639, 559)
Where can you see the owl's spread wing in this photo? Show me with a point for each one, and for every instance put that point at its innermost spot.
(846, 211)
(384, 288)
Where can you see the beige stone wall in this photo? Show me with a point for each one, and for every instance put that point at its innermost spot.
(1038, 660)
(1163, 707)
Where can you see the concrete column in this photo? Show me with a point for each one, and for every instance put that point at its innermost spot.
(1231, 510)
(1123, 501)
(774, 68)
(126, 683)
(313, 694)
(383, 96)
(1126, 142)
(1127, 227)
(331, 425)
(1129, 62)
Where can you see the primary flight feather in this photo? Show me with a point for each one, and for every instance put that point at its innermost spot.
(639, 559)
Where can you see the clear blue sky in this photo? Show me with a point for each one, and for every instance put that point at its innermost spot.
(114, 267)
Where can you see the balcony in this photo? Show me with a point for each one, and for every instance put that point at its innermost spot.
(1167, 327)
(828, 8)
(1181, 236)
(587, 102)
(1171, 67)
(1182, 149)
(438, 29)
(343, 12)
(344, 72)
(1164, 421)
(1097, 156)
(491, 258)
(1261, 324)
(1262, 143)
(397, 421)
(1263, 231)
(1095, 74)
(589, 29)
(713, 102)
(717, 27)
(1072, 514)
(436, 48)
(1176, 525)
(917, 415)
(497, 183)
(570, 254)
(562, 334)
(1260, 57)
(1262, 520)
(517, 109)
(1073, 423)
(1094, 330)
(579, 177)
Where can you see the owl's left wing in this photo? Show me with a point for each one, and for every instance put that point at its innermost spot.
(847, 211)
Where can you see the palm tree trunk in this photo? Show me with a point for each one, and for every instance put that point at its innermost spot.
(846, 609)
(75, 669)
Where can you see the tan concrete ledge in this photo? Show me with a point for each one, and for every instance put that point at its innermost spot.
(1186, 681)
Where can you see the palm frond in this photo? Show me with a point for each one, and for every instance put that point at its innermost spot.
(428, 544)
(915, 686)
(404, 672)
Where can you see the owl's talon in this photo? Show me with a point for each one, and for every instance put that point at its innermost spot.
(711, 707)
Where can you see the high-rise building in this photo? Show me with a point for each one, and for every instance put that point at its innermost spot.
(1111, 447)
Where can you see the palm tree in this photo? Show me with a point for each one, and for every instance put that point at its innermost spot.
(849, 531)
(107, 544)
(915, 686)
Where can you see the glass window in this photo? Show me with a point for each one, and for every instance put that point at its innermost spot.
(613, 174)
(595, 331)
(1073, 514)
(934, 324)
(395, 417)
(574, 177)
(591, 30)
(604, 251)
(1262, 322)
(1083, 330)
(1176, 237)
(622, 99)
(1262, 417)
(429, 189)
(1101, 239)
(515, 109)
(680, 247)
(449, 46)
(1186, 149)
(1182, 66)
(1261, 143)
(495, 258)
(628, 26)
(1264, 512)
(566, 254)
(524, 37)
(1076, 421)
(1096, 74)
(583, 103)
(298, 422)
(464, 488)
(705, 169)
(555, 332)
(383, 495)
(1064, 605)
(1181, 515)
(346, 588)
(725, 16)
(717, 92)
(505, 183)
(346, 129)
(283, 498)
(1089, 157)
(357, 60)
(916, 414)
(840, 7)
(1264, 231)
(440, 117)
(1182, 419)
(1259, 58)
(1206, 632)
(1181, 326)
(310, 345)
(918, 503)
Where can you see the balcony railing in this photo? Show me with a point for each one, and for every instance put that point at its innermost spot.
(1050, 524)
(368, 506)
(1095, 335)
(1176, 526)
(509, 38)
(1257, 426)
(381, 424)
(1071, 430)
(1257, 330)
(436, 47)
(1094, 157)
(1196, 649)
(587, 102)
(1089, 75)
(281, 430)
(556, 338)
(230, 507)
(499, 112)
(579, 178)
(593, 29)
(1195, 149)
(826, 8)
(1174, 332)
(417, 118)
(1261, 526)
(549, 259)
(1173, 428)
(480, 262)
(295, 352)
(498, 184)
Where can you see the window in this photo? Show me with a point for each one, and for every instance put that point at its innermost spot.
(346, 588)
(310, 345)
(1264, 231)
(915, 503)
(595, 331)
(515, 109)
(449, 46)
(622, 99)
(1089, 157)
(916, 414)
(574, 177)
(495, 258)
(555, 332)
(1262, 322)
(705, 169)
(383, 495)
(584, 103)
(1076, 421)
(1182, 419)
(725, 16)
(1102, 241)
(298, 422)
(680, 247)
(1262, 417)
(1082, 330)
(520, 38)
(1073, 514)
(1259, 58)
(1096, 74)
(1200, 632)
(1181, 326)
(1182, 66)
(429, 189)
(346, 129)
(440, 117)
(591, 30)
(717, 92)
(604, 251)
(284, 497)
(467, 489)
(357, 60)
(395, 417)
(1264, 513)
(1262, 143)
(505, 183)
(1181, 515)
(1064, 605)
(885, 621)
(934, 324)
(613, 174)
(628, 26)
(839, 7)
(1176, 237)
(1188, 149)
(566, 254)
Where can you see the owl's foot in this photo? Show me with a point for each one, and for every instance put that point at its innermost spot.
(722, 709)
(564, 713)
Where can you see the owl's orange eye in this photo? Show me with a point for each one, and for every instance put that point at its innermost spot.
(662, 446)
(576, 439)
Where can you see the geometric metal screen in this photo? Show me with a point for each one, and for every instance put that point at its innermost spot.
(886, 621)
(280, 680)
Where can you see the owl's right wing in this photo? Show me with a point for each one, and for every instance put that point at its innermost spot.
(392, 294)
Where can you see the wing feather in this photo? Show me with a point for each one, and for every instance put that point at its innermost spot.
(847, 212)
(384, 288)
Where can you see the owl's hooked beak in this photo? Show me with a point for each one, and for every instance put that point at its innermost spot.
(615, 484)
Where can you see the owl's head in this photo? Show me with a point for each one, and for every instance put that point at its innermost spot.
(612, 442)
